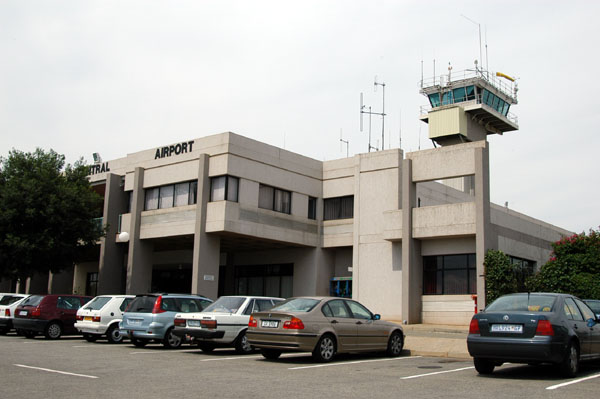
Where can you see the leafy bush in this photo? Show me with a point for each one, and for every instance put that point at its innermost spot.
(500, 276)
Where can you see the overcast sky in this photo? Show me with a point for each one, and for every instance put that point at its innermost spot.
(116, 77)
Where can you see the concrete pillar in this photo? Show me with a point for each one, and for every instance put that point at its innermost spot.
(483, 237)
(356, 270)
(139, 260)
(61, 283)
(207, 247)
(412, 262)
(110, 268)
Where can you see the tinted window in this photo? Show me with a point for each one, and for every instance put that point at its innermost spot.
(587, 312)
(296, 305)
(68, 303)
(572, 311)
(338, 308)
(142, 304)
(594, 305)
(8, 299)
(359, 311)
(125, 303)
(522, 303)
(169, 305)
(326, 310)
(33, 300)
(97, 303)
(226, 304)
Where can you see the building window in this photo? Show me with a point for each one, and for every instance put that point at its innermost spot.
(224, 188)
(312, 208)
(268, 280)
(274, 199)
(338, 208)
(91, 284)
(171, 195)
(523, 269)
(449, 275)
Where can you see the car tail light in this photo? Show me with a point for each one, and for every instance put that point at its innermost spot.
(252, 322)
(179, 322)
(294, 324)
(208, 323)
(544, 328)
(6, 312)
(37, 312)
(474, 326)
(96, 319)
(157, 304)
(79, 318)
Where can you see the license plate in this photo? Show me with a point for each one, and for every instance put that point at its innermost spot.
(193, 323)
(507, 328)
(134, 322)
(269, 324)
(87, 318)
(23, 313)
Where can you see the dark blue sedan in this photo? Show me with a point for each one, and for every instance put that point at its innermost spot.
(534, 328)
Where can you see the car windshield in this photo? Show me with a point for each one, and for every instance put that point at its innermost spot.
(97, 303)
(296, 305)
(225, 304)
(142, 304)
(523, 303)
(33, 300)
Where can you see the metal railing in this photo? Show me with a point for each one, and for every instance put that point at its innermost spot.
(507, 87)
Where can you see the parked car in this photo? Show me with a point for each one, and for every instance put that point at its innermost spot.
(150, 317)
(534, 328)
(8, 304)
(324, 326)
(50, 315)
(101, 316)
(223, 323)
(594, 304)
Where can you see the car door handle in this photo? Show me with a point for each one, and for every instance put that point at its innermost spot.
(575, 326)
(359, 322)
(334, 321)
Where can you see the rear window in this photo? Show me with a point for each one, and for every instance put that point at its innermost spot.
(142, 304)
(97, 303)
(225, 304)
(33, 300)
(296, 305)
(523, 303)
(125, 303)
(9, 299)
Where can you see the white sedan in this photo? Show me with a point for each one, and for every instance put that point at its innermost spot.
(223, 323)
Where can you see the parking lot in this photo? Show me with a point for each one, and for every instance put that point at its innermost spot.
(72, 367)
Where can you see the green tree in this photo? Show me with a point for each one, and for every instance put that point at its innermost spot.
(46, 213)
(500, 275)
(574, 267)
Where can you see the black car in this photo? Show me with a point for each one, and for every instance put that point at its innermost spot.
(534, 328)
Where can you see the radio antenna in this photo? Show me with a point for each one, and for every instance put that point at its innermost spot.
(347, 142)
(363, 110)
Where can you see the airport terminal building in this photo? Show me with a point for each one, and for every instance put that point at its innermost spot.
(404, 233)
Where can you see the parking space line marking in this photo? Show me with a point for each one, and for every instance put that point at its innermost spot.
(437, 372)
(564, 384)
(55, 371)
(354, 362)
(165, 351)
(230, 358)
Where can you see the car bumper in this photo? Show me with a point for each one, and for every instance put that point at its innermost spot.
(88, 328)
(6, 323)
(301, 342)
(30, 324)
(538, 349)
(198, 333)
(143, 334)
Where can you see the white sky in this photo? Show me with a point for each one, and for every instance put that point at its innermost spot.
(116, 77)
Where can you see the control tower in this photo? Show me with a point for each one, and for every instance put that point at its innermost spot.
(467, 106)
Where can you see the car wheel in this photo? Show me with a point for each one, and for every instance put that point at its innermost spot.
(53, 330)
(270, 354)
(114, 334)
(483, 366)
(90, 337)
(395, 344)
(570, 364)
(241, 344)
(206, 347)
(138, 342)
(325, 349)
(171, 340)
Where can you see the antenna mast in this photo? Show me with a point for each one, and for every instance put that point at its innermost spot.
(370, 113)
(347, 142)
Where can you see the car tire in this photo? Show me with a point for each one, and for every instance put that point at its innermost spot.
(483, 366)
(325, 349)
(395, 344)
(114, 334)
(270, 354)
(569, 367)
(139, 342)
(172, 341)
(206, 347)
(241, 344)
(90, 337)
(53, 330)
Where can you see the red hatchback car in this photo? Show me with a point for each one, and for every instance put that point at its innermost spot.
(50, 315)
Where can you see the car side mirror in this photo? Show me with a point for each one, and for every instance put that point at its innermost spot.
(591, 322)
(376, 317)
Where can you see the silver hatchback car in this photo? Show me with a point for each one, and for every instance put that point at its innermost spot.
(150, 317)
